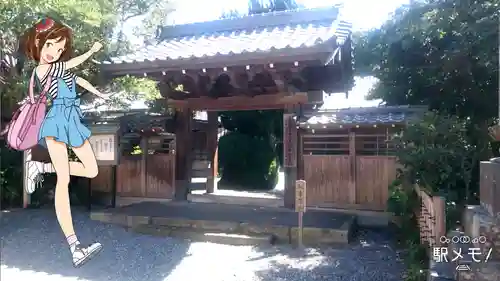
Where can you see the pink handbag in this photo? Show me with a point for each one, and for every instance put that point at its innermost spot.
(22, 131)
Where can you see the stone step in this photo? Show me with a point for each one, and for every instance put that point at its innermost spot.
(485, 271)
(197, 235)
(339, 232)
(236, 200)
(311, 235)
(480, 226)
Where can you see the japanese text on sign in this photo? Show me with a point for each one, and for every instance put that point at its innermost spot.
(300, 196)
(104, 147)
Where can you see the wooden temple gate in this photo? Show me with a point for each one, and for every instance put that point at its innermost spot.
(261, 63)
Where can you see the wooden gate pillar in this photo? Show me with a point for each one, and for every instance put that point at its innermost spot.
(353, 168)
(289, 158)
(213, 126)
(183, 159)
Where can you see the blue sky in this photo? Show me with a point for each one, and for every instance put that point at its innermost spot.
(364, 14)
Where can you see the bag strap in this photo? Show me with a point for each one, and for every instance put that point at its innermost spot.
(32, 86)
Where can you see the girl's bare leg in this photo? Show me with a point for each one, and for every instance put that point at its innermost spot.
(87, 167)
(59, 156)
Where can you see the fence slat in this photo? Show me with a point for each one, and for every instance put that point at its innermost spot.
(432, 218)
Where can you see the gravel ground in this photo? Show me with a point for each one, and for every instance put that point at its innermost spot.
(33, 249)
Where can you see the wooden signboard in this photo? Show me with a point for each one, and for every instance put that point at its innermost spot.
(104, 142)
(289, 141)
(300, 196)
(300, 207)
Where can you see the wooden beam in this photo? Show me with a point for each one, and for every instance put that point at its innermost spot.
(259, 102)
(212, 150)
(183, 154)
(289, 158)
(352, 177)
(26, 158)
(144, 177)
(300, 153)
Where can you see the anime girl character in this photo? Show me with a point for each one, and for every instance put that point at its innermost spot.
(49, 43)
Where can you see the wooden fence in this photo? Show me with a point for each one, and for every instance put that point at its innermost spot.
(343, 181)
(147, 176)
(432, 218)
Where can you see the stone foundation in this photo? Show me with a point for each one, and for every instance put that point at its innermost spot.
(484, 231)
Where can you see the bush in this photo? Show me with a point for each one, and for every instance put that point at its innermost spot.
(438, 154)
(11, 174)
(247, 161)
(403, 202)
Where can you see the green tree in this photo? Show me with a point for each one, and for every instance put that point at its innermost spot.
(91, 21)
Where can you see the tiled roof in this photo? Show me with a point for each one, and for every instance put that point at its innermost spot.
(252, 34)
(369, 115)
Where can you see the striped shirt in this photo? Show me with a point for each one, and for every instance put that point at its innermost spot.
(57, 70)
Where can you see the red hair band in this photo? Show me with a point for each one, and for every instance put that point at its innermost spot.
(44, 25)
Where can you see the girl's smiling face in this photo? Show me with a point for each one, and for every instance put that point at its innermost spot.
(52, 50)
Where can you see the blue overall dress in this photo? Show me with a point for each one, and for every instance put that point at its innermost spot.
(63, 119)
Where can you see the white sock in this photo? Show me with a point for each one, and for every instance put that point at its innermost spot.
(72, 242)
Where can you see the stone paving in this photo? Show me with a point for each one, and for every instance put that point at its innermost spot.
(33, 248)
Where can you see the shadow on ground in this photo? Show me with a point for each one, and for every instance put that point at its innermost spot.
(371, 257)
(33, 247)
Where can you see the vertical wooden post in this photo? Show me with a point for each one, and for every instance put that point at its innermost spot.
(212, 150)
(183, 161)
(300, 154)
(289, 158)
(144, 157)
(114, 169)
(216, 160)
(89, 199)
(27, 156)
(440, 218)
(352, 161)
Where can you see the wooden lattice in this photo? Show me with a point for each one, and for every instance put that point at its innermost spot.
(431, 218)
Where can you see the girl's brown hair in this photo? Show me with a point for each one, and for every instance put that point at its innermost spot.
(57, 30)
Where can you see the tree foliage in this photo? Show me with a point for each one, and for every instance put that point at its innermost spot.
(438, 154)
(91, 21)
(441, 53)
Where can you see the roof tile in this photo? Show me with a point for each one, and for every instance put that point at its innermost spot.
(250, 40)
(374, 115)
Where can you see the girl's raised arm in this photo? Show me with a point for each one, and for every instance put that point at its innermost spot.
(76, 61)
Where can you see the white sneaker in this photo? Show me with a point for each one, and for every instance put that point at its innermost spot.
(82, 254)
(34, 171)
